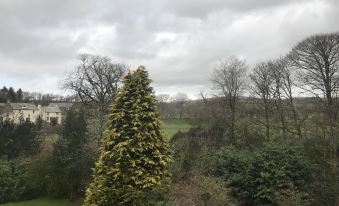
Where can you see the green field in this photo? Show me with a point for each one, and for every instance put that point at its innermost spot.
(40, 202)
(172, 126)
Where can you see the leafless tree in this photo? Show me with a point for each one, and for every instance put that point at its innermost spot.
(317, 60)
(287, 85)
(261, 86)
(277, 72)
(282, 90)
(180, 99)
(96, 80)
(229, 77)
(163, 100)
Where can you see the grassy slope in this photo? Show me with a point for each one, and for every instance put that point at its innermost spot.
(40, 202)
(172, 126)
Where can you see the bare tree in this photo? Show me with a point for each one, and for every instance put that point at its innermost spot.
(317, 60)
(180, 99)
(282, 94)
(287, 85)
(163, 101)
(96, 80)
(230, 77)
(277, 72)
(262, 82)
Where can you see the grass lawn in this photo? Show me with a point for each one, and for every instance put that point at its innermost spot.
(40, 202)
(172, 126)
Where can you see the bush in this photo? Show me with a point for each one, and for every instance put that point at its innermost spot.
(259, 177)
(15, 182)
(18, 139)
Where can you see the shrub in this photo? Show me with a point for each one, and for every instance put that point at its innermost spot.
(15, 182)
(259, 176)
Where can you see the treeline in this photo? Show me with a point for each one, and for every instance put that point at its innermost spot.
(10, 95)
(173, 106)
(270, 148)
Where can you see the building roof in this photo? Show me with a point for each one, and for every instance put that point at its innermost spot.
(4, 108)
(23, 106)
(61, 105)
(57, 107)
(51, 109)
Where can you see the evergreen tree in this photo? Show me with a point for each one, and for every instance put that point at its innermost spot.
(11, 94)
(19, 95)
(4, 89)
(18, 139)
(71, 162)
(38, 123)
(3, 95)
(132, 167)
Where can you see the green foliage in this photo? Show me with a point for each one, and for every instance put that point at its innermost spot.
(71, 159)
(134, 158)
(40, 202)
(217, 191)
(260, 176)
(186, 152)
(39, 123)
(19, 95)
(326, 184)
(11, 94)
(15, 182)
(18, 139)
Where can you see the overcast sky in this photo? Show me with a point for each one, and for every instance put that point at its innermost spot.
(179, 41)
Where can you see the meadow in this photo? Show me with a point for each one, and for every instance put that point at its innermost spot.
(172, 126)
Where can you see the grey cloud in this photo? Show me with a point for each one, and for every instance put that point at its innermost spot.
(202, 8)
(179, 41)
(51, 13)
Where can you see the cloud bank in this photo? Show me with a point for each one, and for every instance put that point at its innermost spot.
(179, 41)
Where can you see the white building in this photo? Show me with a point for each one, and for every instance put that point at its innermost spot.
(54, 113)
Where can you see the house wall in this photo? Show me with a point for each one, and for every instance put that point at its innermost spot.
(47, 116)
(30, 115)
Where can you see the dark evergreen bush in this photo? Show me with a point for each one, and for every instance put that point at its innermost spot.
(260, 177)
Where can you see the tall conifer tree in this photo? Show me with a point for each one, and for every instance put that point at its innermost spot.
(11, 94)
(71, 157)
(135, 155)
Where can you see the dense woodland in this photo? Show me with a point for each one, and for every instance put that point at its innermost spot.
(267, 136)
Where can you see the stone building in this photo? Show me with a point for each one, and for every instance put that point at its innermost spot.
(54, 113)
